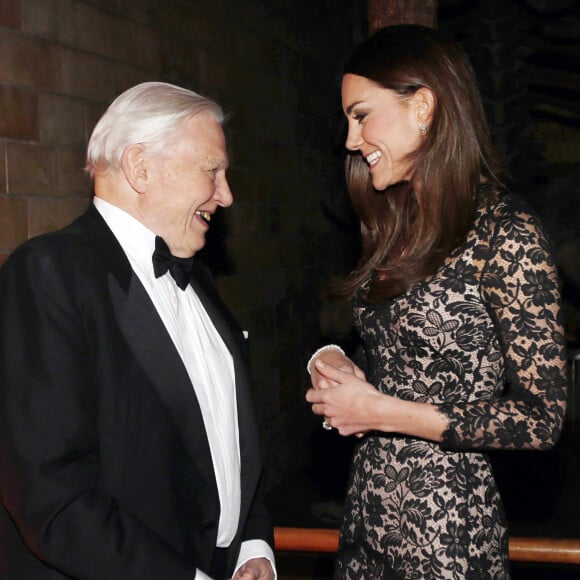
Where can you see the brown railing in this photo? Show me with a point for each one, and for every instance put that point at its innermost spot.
(544, 550)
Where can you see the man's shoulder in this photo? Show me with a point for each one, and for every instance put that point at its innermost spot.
(80, 244)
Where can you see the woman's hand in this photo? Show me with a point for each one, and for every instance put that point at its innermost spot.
(336, 359)
(353, 406)
(350, 405)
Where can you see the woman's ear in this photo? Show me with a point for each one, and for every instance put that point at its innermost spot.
(134, 166)
(424, 103)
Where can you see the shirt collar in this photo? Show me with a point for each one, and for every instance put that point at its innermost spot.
(137, 241)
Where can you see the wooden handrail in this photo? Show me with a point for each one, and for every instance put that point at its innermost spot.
(545, 550)
(306, 539)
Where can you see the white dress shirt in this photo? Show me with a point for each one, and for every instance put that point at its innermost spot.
(209, 365)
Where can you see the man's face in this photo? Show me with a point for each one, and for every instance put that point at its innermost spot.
(186, 184)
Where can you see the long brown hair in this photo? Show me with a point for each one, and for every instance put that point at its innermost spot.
(408, 229)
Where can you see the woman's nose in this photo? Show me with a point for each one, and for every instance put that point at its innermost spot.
(353, 139)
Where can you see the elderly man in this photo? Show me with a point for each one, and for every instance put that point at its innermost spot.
(128, 443)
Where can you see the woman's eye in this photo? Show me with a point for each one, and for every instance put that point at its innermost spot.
(360, 117)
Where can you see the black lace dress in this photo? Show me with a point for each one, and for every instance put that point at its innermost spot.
(483, 340)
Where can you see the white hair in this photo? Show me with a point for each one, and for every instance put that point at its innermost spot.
(145, 113)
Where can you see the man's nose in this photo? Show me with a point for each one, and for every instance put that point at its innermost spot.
(223, 194)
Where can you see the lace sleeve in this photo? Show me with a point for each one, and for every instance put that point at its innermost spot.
(519, 284)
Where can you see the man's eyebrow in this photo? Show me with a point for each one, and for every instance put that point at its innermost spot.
(217, 162)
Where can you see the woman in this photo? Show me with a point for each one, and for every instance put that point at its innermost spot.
(457, 304)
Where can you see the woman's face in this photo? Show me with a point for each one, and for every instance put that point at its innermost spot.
(383, 127)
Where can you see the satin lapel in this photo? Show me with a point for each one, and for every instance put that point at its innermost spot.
(153, 348)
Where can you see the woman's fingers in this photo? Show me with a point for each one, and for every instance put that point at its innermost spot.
(332, 373)
(320, 382)
(359, 373)
(314, 396)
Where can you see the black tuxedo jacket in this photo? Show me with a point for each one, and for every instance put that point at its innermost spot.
(105, 466)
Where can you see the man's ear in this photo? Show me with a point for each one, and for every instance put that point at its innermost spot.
(134, 166)
(424, 104)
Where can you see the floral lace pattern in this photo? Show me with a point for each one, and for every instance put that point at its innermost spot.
(483, 340)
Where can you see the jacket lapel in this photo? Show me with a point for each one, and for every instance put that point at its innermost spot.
(153, 348)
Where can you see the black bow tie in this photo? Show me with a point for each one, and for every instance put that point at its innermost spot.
(163, 260)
